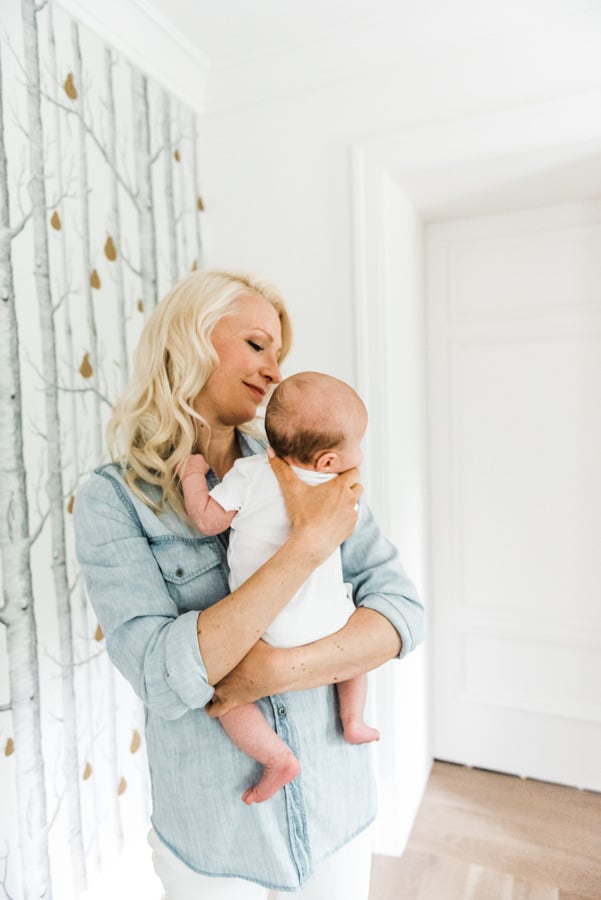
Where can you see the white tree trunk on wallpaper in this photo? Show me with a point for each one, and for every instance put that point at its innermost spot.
(169, 195)
(84, 192)
(183, 193)
(53, 440)
(17, 613)
(198, 204)
(143, 159)
(62, 278)
(115, 219)
(64, 290)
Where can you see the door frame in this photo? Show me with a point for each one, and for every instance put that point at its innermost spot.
(392, 373)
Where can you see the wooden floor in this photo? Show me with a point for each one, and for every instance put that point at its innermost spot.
(484, 836)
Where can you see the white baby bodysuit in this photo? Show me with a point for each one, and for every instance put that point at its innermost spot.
(323, 604)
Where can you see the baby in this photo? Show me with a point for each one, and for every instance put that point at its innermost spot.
(316, 423)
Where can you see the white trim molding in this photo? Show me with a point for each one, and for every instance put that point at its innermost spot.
(390, 352)
(149, 40)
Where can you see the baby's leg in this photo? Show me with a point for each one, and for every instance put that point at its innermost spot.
(249, 731)
(351, 696)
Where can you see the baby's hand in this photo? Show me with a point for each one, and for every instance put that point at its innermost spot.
(195, 464)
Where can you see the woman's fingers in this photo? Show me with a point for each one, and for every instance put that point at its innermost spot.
(281, 470)
(292, 485)
(350, 478)
(325, 513)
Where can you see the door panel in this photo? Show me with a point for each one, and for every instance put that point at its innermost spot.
(514, 310)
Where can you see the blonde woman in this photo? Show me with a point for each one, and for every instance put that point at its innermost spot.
(208, 357)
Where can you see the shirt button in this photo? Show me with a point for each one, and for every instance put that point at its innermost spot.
(282, 711)
(179, 572)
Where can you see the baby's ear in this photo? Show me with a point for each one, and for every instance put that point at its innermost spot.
(326, 462)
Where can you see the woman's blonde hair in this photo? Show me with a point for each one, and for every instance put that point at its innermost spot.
(154, 426)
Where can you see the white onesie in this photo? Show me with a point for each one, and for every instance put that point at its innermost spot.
(322, 605)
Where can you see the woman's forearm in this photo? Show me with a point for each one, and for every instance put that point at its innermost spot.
(228, 630)
(367, 641)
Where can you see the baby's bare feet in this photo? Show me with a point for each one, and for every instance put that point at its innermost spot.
(357, 732)
(276, 773)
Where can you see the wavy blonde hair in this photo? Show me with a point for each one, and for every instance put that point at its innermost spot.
(154, 425)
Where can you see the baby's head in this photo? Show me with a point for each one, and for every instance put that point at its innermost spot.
(317, 422)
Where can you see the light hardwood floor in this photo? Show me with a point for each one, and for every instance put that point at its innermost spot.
(485, 836)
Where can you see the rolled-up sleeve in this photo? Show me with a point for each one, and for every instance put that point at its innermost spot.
(154, 646)
(371, 564)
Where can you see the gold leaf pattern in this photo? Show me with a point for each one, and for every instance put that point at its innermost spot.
(70, 504)
(176, 155)
(69, 86)
(9, 749)
(95, 279)
(87, 771)
(85, 369)
(122, 787)
(98, 634)
(136, 740)
(110, 251)
(55, 221)
(199, 204)
(140, 306)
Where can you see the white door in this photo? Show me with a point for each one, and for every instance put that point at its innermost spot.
(514, 318)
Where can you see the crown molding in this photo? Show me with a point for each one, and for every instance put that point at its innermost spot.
(149, 41)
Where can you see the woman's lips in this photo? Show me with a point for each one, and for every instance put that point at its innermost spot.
(257, 392)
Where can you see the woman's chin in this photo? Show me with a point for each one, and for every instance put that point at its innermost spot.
(237, 419)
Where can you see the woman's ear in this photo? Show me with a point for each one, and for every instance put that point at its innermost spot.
(326, 462)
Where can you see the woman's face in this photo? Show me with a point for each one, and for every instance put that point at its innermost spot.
(248, 343)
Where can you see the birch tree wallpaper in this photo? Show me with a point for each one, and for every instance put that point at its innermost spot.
(101, 212)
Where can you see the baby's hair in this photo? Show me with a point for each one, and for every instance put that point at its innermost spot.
(302, 437)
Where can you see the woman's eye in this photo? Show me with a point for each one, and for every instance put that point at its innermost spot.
(254, 345)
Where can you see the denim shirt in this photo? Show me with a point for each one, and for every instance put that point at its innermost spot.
(148, 576)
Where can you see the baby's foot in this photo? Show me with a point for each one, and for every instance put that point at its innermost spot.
(357, 732)
(281, 771)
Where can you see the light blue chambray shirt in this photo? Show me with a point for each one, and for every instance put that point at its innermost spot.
(147, 577)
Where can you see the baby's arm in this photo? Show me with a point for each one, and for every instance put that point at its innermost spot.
(208, 516)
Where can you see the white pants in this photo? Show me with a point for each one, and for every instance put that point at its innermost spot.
(342, 876)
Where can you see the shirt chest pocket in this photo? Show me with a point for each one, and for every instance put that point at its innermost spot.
(194, 570)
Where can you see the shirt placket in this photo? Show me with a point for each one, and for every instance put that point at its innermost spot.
(295, 801)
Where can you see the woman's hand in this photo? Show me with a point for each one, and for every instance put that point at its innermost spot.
(254, 677)
(322, 516)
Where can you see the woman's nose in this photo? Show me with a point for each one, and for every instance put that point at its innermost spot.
(270, 369)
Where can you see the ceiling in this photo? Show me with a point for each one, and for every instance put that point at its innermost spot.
(267, 49)
(232, 32)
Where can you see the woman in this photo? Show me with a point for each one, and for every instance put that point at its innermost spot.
(208, 356)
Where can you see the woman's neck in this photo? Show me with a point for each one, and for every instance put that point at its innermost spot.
(219, 446)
